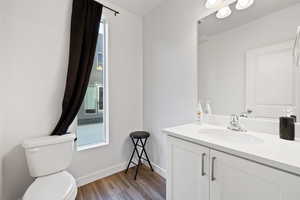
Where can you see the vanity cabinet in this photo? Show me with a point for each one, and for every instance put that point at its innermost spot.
(240, 179)
(220, 176)
(188, 171)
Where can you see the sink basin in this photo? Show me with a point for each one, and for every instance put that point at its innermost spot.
(231, 136)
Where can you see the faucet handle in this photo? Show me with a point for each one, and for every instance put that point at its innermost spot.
(246, 113)
(235, 118)
(249, 111)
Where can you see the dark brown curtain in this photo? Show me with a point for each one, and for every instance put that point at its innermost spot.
(85, 22)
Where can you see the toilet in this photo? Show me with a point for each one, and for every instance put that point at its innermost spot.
(47, 159)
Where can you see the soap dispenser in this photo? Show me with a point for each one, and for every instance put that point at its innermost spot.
(208, 108)
(287, 128)
(287, 125)
(199, 113)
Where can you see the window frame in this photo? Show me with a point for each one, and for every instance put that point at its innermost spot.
(105, 86)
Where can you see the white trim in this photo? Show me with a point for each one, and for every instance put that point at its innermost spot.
(89, 178)
(91, 146)
(161, 171)
(105, 86)
(83, 180)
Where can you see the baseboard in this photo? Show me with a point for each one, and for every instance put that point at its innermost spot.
(100, 174)
(83, 180)
(161, 171)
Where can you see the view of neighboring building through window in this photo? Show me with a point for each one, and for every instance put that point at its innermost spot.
(92, 121)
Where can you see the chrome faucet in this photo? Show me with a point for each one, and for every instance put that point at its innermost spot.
(235, 123)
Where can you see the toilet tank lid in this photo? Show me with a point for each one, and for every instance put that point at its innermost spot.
(47, 140)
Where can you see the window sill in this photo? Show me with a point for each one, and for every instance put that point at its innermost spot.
(86, 147)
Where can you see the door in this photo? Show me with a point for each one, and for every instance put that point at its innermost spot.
(188, 171)
(271, 81)
(234, 178)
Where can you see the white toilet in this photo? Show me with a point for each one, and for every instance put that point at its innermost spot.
(48, 158)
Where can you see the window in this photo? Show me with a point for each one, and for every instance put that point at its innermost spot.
(92, 129)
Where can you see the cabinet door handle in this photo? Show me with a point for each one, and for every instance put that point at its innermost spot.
(203, 165)
(213, 178)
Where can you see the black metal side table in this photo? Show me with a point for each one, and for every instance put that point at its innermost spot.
(137, 137)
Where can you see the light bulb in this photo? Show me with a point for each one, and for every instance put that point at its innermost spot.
(243, 4)
(213, 3)
(223, 12)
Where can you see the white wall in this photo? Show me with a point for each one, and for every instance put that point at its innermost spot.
(3, 63)
(222, 57)
(170, 70)
(34, 84)
(1, 156)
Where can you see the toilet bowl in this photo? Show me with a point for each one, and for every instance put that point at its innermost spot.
(47, 159)
(59, 186)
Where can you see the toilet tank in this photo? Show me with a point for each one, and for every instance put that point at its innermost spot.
(49, 154)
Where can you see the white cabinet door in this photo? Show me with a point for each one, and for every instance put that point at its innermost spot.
(240, 179)
(188, 171)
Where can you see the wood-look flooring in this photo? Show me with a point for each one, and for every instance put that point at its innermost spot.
(148, 186)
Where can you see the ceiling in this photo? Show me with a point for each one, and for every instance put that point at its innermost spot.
(139, 7)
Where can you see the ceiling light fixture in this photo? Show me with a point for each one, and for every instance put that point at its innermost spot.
(243, 4)
(224, 12)
(213, 3)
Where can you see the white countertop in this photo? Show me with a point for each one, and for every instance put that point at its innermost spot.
(259, 147)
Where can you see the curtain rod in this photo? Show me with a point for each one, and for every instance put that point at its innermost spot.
(116, 12)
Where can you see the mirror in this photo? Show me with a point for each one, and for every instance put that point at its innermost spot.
(246, 60)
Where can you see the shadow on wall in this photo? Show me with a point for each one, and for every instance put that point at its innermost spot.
(16, 174)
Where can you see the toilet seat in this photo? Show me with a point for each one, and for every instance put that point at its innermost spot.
(60, 186)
